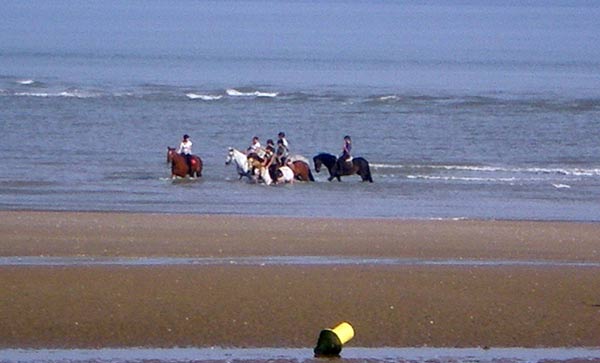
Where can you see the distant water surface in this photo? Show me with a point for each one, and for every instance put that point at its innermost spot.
(464, 109)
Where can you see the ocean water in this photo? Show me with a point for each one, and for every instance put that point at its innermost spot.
(469, 109)
(301, 355)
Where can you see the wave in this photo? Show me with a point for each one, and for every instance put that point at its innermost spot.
(424, 102)
(235, 93)
(388, 98)
(26, 82)
(475, 179)
(580, 172)
(515, 103)
(68, 94)
(196, 96)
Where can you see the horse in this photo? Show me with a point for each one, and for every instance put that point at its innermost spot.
(274, 173)
(240, 161)
(338, 168)
(284, 174)
(179, 166)
(300, 168)
(256, 167)
(302, 171)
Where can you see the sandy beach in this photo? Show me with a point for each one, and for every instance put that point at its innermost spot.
(231, 305)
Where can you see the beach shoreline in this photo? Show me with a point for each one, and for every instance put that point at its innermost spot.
(258, 305)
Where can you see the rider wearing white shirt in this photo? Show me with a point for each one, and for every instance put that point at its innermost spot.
(185, 149)
(255, 146)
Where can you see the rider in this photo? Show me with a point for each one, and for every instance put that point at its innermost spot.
(254, 147)
(346, 149)
(185, 150)
(281, 136)
(346, 156)
(282, 152)
(269, 153)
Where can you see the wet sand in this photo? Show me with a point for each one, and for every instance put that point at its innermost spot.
(231, 305)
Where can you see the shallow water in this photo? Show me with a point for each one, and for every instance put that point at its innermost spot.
(349, 354)
(464, 110)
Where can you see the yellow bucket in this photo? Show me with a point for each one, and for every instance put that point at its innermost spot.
(344, 331)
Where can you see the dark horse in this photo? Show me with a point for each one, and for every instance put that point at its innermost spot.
(338, 168)
(179, 166)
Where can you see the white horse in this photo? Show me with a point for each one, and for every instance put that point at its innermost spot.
(241, 162)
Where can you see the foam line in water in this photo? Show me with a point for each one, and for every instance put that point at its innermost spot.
(235, 93)
(197, 96)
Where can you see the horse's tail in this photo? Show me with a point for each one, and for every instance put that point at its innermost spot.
(198, 169)
(366, 173)
(369, 177)
(310, 175)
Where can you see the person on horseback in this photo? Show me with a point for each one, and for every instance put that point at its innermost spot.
(345, 160)
(269, 154)
(254, 147)
(185, 150)
(271, 144)
(281, 136)
(346, 149)
(282, 152)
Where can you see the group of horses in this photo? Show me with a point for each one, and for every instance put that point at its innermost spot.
(252, 167)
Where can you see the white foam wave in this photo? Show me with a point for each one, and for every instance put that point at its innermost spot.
(388, 98)
(561, 186)
(235, 93)
(475, 168)
(470, 179)
(26, 82)
(197, 96)
(73, 94)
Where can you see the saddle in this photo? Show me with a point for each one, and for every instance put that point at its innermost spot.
(346, 164)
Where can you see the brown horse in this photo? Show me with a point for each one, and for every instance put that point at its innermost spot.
(179, 166)
(302, 171)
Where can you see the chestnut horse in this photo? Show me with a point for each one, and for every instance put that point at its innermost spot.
(338, 168)
(179, 166)
(302, 171)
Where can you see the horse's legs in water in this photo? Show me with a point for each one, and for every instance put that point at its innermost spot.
(188, 162)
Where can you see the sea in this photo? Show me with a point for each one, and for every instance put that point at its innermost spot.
(466, 109)
(463, 109)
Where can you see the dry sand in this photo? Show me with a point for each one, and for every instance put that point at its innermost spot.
(287, 306)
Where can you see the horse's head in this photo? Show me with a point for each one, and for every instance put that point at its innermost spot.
(170, 153)
(318, 163)
(229, 158)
